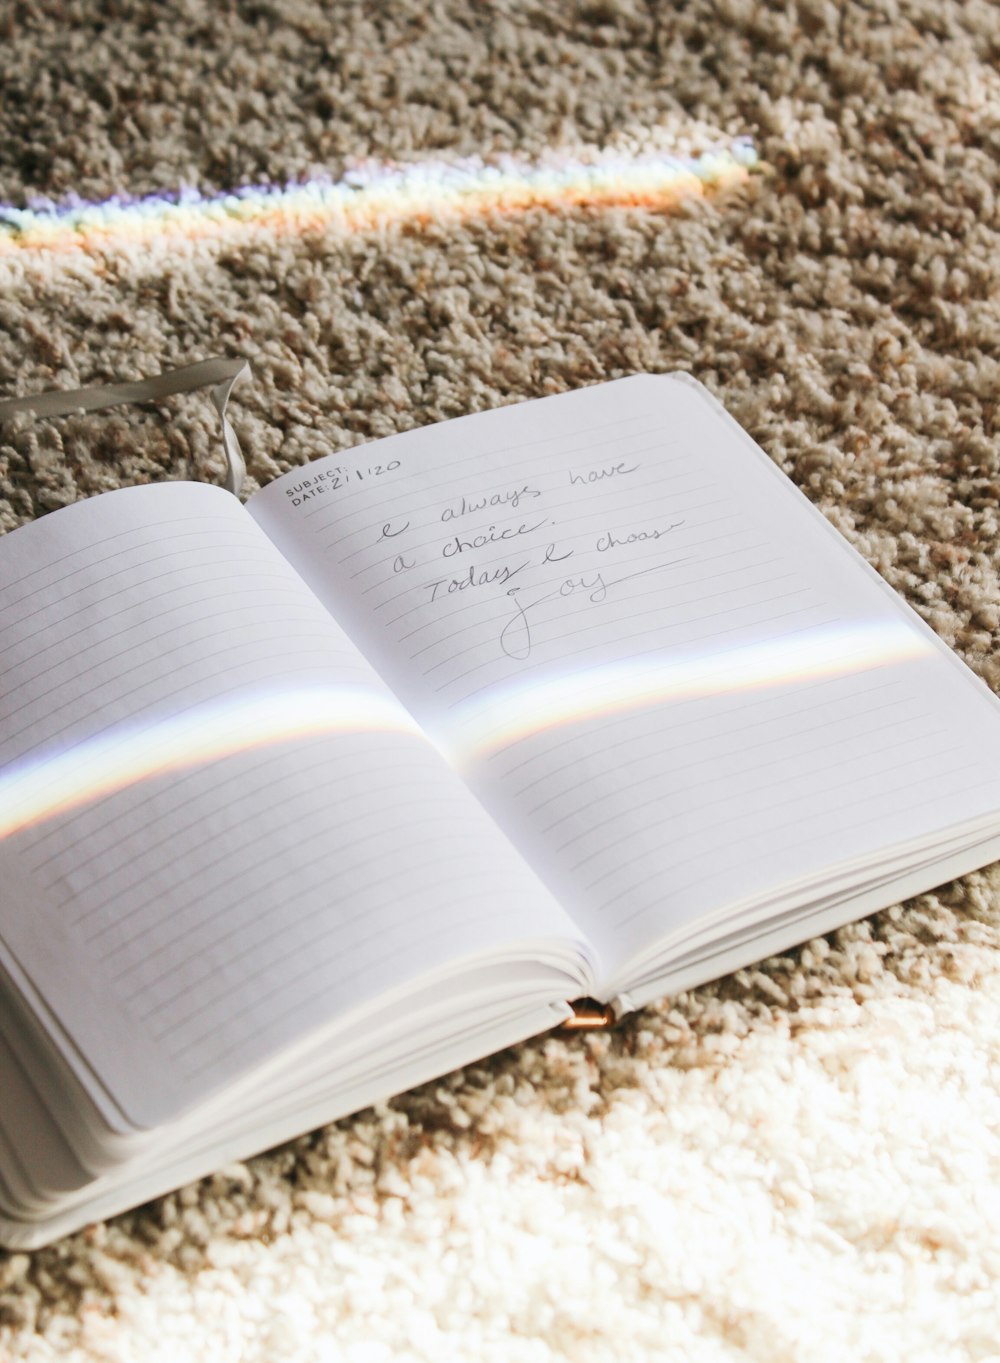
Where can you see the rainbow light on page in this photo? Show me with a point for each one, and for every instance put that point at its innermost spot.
(55, 784)
(523, 708)
(375, 195)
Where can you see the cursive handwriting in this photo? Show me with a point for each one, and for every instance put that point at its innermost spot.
(481, 577)
(389, 534)
(515, 637)
(458, 545)
(599, 475)
(609, 540)
(468, 505)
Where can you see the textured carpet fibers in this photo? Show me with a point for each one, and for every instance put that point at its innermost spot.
(802, 1161)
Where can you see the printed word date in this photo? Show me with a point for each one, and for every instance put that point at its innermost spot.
(329, 480)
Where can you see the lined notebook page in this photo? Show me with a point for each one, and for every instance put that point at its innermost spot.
(217, 826)
(660, 669)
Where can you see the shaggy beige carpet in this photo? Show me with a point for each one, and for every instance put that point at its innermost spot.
(801, 1162)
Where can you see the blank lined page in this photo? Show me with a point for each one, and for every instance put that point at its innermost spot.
(662, 671)
(217, 826)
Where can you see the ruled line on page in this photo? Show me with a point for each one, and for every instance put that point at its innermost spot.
(291, 921)
(480, 456)
(152, 698)
(444, 917)
(181, 949)
(219, 998)
(598, 727)
(489, 623)
(188, 577)
(920, 802)
(635, 558)
(659, 648)
(191, 562)
(541, 754)
(213, 615)
(849, 782)
(568, 610)
(265, 668)
(626, 638)
(158, 818)
(702, 577)
(134, 582)
(178, 604)
(521, 499)
(143, 528)
(197, 875)
(446, 530)
(291, 808)
(714, 722)
(339, 768)
(137, 583)
(278, 670)
(631, 811)
(600, 626)
(506, 550)
(395, 822)
(382, 837)
(110, 558)
(283, 637)
(324, 668)
(388, 501)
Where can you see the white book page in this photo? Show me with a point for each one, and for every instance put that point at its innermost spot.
(662, 671)
(218, 828)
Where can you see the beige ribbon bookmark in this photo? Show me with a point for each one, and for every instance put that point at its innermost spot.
(223, 374)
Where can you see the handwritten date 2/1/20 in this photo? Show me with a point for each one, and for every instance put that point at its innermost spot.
(515, 637)
(328, 480)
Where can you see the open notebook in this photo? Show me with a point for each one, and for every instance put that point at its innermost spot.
(305, 802)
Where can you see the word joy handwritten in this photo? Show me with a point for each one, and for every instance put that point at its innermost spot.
(516, 638)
